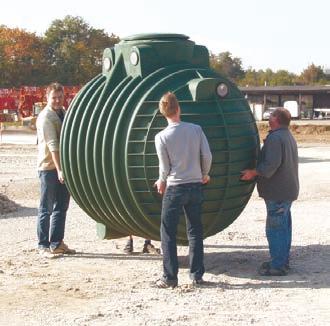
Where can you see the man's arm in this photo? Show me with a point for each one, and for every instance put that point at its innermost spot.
(52, 141)
(57, 162)
(271, 160)
(206, 158)
(164, 165)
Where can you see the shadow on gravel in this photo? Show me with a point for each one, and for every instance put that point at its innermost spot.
(303, 160)
(310, 266)
(111, 256)
(234, 246)
(21, 211)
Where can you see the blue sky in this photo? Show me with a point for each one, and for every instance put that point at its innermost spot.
(282, 34)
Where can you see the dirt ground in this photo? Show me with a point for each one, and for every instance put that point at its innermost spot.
(102, 286)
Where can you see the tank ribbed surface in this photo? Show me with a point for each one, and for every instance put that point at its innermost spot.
(107, 147)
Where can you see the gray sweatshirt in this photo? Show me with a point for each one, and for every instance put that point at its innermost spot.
(278, 167)
(183, 152)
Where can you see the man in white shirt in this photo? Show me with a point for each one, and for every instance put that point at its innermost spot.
(54, 196)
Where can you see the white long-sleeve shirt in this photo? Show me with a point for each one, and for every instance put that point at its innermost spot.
(183, 152)
(48, 130)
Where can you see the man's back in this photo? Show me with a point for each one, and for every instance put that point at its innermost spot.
(280, 150)
(185, 153)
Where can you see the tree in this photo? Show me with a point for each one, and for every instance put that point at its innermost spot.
(265, 77)
(312, 75)
(22, 58)
(75, 50)
(283, 78)
(268, 78)
(224, 63)
(251, 78)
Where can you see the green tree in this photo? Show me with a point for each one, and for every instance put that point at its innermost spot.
(224, 63)
(283, 78)
(251, 78)
(268, 78)
(265, 77)
(313, 75)
(22, 58)
(257, 78)
(75, 50)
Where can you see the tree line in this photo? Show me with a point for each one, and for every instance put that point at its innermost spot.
(71, 50)
(231, 67)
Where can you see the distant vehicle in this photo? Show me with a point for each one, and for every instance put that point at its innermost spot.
(268, 112)
(8, 116)
(292, 107)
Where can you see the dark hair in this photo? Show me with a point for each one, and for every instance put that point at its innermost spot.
(283, 116)
(57, 87)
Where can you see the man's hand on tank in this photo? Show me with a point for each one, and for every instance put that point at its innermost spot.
(160, 185)
(247, 175)
(60, 176)
(205, 179)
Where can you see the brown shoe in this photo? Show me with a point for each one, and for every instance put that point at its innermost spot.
(165, 284)
(267, 270)
(63, 249)
(150, 249)
(129, 247)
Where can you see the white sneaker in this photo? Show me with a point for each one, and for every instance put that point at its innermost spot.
(42, 251)
(46, 253)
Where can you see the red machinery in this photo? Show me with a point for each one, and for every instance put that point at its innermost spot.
(21, 100)
(28, 96)
(69, 93)
(8, 104)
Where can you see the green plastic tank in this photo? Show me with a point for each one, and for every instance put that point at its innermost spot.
(107, 149)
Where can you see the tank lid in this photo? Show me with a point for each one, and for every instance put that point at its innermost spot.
(156, 36)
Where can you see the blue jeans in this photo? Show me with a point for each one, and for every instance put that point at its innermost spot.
(188, 197)
(54, 203)
(279, 231)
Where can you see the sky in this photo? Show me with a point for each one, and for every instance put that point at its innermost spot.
(281, 34)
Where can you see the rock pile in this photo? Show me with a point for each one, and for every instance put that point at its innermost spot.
(7, 205)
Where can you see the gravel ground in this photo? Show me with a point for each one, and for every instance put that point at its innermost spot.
(102, 286)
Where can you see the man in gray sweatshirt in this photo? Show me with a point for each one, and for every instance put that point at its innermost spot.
(278, 185)
(184, 163)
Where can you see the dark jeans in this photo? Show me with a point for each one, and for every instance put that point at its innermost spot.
(54, 202)
(279, 231)
(188, 197)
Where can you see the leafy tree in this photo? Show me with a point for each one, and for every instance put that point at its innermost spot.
(224, 63)
(75, 50)
(313, 75)
(22, 58)
(283, 78)
(268, 78)
(251, 78)
(265, 77)
(257, 78)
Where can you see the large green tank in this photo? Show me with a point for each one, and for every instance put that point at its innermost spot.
(107, 145)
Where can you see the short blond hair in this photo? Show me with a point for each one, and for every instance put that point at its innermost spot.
(168, 105)
(56, 87)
